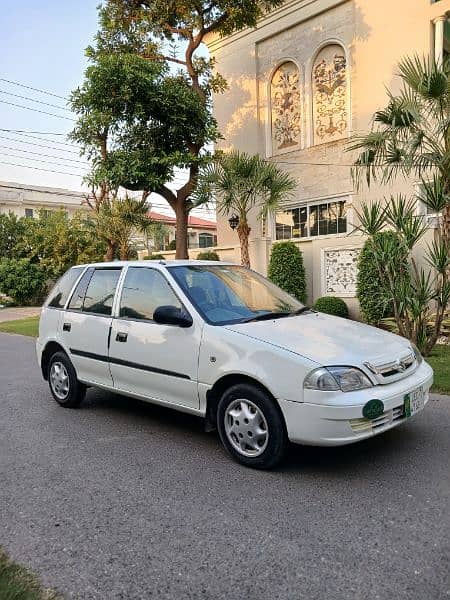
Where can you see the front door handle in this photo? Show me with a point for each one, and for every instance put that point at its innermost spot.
(67, 326)
(121, 336)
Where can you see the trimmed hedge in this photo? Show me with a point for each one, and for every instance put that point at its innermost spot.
(331, 305)
(208, 255)
(286, 269)
(22, 280)
(154, 257)
(373, 296)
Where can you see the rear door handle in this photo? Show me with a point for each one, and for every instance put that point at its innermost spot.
(121, 336)
(67, 326)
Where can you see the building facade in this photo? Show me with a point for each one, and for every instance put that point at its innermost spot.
(301, 84)
(202, 233)
(27, 200)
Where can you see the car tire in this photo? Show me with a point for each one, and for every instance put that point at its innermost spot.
(251, 426)
(63, 382)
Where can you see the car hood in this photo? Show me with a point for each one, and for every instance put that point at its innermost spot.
(327, 340)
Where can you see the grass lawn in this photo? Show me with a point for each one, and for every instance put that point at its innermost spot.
(16, 583)
(439, 358)
(27, 326)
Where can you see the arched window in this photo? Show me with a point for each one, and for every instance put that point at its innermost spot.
(285, 107)
(329, 85)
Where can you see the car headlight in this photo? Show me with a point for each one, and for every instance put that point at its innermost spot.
(419, 357)
(332, 379)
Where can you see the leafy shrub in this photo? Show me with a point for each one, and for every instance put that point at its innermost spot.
(372, 291)
(172, 245)
(154, 257)
(331, 305)
(286, 269)
(208, 255)
(21, 280)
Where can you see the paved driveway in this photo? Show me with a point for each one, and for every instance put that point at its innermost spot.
(19, 312)
(125, 500)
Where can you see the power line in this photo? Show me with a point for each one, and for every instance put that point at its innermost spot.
(4, 137)
(2, 162)
(36, 110)
(33, 100)
(45, 155)
(28, 87)
(48, 162)
(24, 131)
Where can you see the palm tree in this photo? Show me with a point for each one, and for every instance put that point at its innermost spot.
(412, 136)
(241, 182)
(117, 219)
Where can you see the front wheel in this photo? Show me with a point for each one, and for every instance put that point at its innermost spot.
(251, 427)
(63, 382)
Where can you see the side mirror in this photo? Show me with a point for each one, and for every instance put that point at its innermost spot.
(171, 315)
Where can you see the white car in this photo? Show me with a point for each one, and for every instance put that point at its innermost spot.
(222, 342)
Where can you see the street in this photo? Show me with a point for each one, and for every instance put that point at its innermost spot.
(124, 500)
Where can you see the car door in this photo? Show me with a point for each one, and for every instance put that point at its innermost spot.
(152, 360)
(85, 326)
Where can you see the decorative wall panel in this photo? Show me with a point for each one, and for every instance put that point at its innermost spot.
(340, 269)
(329, 85)
(285, 104)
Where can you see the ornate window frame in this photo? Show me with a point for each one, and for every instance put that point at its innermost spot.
(309, 101)
(303, 121)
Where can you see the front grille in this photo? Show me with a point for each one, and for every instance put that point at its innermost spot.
(388, 417)
(393, 370)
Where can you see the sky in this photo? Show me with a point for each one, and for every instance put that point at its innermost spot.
(42, 46)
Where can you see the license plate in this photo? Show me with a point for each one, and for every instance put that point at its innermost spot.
(413, 402)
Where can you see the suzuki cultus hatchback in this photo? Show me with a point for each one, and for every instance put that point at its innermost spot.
(220, 341)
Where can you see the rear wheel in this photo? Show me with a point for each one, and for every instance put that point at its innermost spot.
(251, 427)
(63, 381)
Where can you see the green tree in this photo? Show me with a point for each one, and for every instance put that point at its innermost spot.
(411, 136)
(21, 280)
(11, 231)
(286, 269)
(157, 234)
(55, 242)
(240, 183)
(171, 33)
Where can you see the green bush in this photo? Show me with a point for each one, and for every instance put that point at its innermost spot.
(154, 257)
(208, 255)
(21, 280)
(172, 245)
(286, 269)
(331, 306)
(372, 292)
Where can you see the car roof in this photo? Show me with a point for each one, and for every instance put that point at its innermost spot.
(161, 264)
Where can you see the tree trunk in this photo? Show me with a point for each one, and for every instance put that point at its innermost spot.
(181, 230)
(243, 231)
(110, 253)
(446, 224)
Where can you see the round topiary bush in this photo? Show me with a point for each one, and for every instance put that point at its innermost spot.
(373, 296)
(286, 269)
(208, 255)
(331, 305)
(21, 280)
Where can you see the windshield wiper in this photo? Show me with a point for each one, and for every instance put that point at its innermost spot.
(275, 315)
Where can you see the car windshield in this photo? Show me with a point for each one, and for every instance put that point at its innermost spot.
(226, 294)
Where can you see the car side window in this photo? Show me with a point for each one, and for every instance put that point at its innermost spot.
(76, 302)
(144, 290)
(59, 294)
(100, 291)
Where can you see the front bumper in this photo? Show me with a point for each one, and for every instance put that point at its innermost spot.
(336, 422)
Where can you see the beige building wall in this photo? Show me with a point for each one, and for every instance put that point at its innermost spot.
(373, 36)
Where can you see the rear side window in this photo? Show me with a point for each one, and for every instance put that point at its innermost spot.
(100, 291)
(95, 291)
(59, 294)
(143, 291)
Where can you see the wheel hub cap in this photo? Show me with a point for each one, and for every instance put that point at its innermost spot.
(59, 380)
(246, 427)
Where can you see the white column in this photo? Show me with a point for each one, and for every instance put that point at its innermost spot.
(439, 39)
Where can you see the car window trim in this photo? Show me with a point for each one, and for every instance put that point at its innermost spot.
(83, 270)
(93, 269)
(120, 292)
